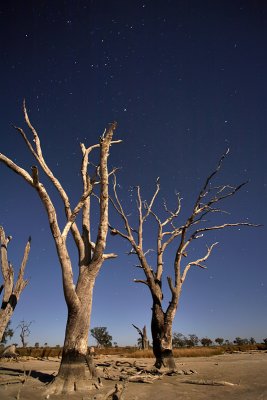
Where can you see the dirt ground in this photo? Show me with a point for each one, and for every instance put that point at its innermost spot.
(247, 371)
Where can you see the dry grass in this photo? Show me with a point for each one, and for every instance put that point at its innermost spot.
(191, 352)
(135, 353)
(245, 347)
(39, 352)
(45, 352)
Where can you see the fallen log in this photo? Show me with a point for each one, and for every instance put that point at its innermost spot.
(12, 380)
(209, 382)
(143, 378)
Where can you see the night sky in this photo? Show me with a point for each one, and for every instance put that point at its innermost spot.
(185, 80)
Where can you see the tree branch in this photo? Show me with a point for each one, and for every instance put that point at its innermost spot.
(150, 205)
(109, 255)
(141, 281)
(39, 157)
(118, 207)
(21, 282)
(105, 143)
(174, 214)
(198, 262)
(172, 288)
(52, 217)
(76, 210)
(222, 226)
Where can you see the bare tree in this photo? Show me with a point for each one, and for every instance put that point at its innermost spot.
(76, 366)
(143, 337)
(194, 228)
(25, 332)
(10, 288)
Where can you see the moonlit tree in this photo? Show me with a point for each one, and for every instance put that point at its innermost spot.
(181, 237)
(76, 369)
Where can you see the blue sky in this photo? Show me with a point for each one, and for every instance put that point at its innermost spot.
(184, 80)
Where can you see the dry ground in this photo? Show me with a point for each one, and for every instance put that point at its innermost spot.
(248, 371)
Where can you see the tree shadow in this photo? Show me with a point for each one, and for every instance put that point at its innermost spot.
(41, 376)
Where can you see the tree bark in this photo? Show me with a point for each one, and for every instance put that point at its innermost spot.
(161, 329)
(77, 371)
(145, 341)
(5, 316)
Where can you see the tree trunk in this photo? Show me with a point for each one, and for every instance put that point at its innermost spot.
(5, 316)
(11, 290)
(145, 341)
(162, 338)
(76, 371)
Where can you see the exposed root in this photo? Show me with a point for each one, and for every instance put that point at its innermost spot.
(131, 372)
(77, 373)
(68, 386)
(115, 394)
(124, 364)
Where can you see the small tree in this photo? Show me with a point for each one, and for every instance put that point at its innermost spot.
(206, 342)
(8, 333)
(252, 340)
(182, 237)
(101, 335)
(143, 340)
(219, 341)
(24, 331)
(10, 288)
(178, 340)
(265, 341)
(192, 340)
(37, 345)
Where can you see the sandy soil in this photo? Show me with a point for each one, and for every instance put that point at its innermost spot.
(246, 370)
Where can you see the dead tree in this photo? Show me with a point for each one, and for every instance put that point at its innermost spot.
(194, 228)
(25, 332)
(10, 288)
(75, 366)
(143, 337)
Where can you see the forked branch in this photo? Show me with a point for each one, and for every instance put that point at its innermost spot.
(199, 262)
